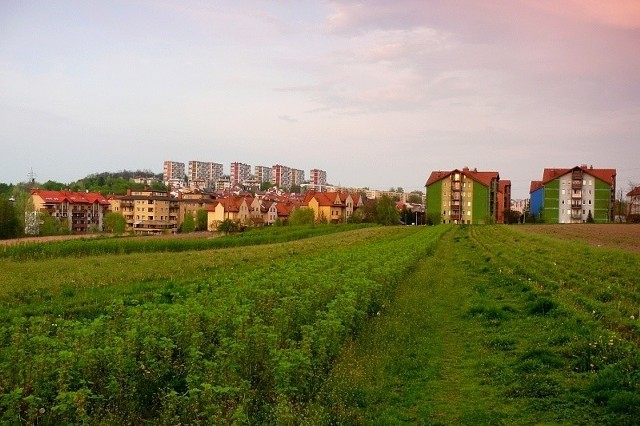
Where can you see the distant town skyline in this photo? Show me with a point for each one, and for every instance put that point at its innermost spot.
(378, 94)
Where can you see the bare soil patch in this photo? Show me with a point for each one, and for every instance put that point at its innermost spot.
(613, 235)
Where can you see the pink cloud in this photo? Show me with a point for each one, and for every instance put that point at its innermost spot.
(621, 13)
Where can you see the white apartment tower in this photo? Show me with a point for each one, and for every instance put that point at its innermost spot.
(318, 179)
(205, 172)
(297, 177)
(239, 172)
(173, 173)
(263, 174)
(281, 176)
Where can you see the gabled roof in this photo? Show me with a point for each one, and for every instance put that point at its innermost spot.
(437, 176)
(284, 209)
(634, 192)
(608, 176)
(535, 185)
(484, 178)
(57, 197)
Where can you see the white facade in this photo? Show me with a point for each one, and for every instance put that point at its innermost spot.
(239, 172)
(263, 173)
(575, 204)
(173, 172)
(281, 176)
(206, 172)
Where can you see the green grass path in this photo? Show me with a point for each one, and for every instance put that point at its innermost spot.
(418, 362)
(465, 342)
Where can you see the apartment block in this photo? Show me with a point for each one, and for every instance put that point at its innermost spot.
(281, 176)
(79, 211)
(173, 173)
(206, 173)
(297, 177)
(464, 196)
(262, 173)
(148, 212)
(574, 195)
(318, 179)
(239, 173)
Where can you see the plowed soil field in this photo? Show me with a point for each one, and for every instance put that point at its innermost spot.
(623, 236)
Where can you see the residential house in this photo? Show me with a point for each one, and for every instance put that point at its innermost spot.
(148, 212)
(633, 197)
(327, 206)
(463, 196)
(574, 195)
(82, 211)
(232, 207)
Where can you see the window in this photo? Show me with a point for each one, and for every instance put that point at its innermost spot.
(563, 192)
(589, 201)
(468, 203)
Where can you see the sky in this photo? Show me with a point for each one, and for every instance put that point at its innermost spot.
(377, 93)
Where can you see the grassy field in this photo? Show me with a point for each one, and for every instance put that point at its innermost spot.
(418, 325)
(501, 327)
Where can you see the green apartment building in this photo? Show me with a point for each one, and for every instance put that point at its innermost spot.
(464, 197)
(574, 195)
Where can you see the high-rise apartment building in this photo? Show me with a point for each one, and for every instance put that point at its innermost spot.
(297, 177)
(173, 173)
(239, 172)
(205, 172)
(263, 173)
(318, 179)
(281, 176)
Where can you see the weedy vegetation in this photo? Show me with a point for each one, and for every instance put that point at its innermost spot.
(372, 325)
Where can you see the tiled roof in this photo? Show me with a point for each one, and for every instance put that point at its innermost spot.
(436, 176)
(484, 178)
(535, 185)
(606, 175)
(634, 192)
(56, 197)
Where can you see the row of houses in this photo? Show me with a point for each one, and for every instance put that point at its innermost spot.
(151, 212)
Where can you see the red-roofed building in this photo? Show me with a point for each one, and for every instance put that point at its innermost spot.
(465, 196)
(82, 212)
(573, 195)
(329, 206)
(634, 201)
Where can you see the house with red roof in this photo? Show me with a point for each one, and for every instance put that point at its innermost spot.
(329, 206)
(633, 197)
(80, 211)
(465, 197)
(574, 195)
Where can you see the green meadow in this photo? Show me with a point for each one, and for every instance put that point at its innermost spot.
(322, 325)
